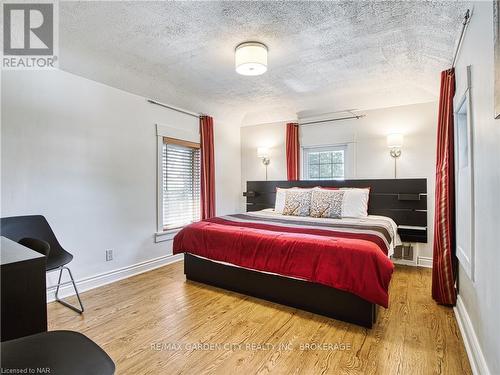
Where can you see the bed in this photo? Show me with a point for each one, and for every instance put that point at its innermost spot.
(339, 268)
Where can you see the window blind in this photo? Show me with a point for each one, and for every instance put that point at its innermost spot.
(181, 183)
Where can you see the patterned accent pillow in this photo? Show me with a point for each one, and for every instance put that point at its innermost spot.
(279, 203)
(326, 203)
(297, 202)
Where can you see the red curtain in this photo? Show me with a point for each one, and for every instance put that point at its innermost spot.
(292, 151)
(207, 167)
(443, 275)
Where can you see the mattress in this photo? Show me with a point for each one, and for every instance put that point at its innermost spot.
(347, 254)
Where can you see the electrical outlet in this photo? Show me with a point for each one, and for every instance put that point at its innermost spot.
(109, 255)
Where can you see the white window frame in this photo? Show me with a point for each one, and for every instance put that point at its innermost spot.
(461, 103)
(309, 149)
(162, 131)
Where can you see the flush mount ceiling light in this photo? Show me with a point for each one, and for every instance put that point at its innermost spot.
(250, 58)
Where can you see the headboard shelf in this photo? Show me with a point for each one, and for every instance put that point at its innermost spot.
(403, 200)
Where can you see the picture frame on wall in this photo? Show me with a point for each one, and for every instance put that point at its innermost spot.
(496, 41)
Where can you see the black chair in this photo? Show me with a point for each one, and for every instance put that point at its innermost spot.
(55, 352)
(39, 246)
(35, 227)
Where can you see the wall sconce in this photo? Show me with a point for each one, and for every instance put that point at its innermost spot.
(263, 153)
(395, 143)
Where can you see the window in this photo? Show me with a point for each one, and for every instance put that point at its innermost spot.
(324, 163)
(181, 183)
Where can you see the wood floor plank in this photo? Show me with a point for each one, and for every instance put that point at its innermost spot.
(159, 323)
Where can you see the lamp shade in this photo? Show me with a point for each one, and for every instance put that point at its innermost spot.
(262, 152)
(395, 140)
(250, 59)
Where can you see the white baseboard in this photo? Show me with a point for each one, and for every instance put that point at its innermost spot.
(424, 262)
(421, 262)
(96, 281)
(404, 262)
(474, 352)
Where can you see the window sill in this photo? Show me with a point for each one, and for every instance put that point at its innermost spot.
(166, 235)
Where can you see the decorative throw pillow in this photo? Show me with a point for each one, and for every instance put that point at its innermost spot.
(279, 203)
(297, 202)
(326, 203)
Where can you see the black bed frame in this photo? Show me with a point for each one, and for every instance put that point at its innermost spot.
(312, 297)
(404, 200)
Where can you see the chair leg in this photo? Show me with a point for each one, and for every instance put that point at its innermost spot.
(74, 308)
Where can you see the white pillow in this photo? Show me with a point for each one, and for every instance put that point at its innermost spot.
(355, 203)
(279, 203)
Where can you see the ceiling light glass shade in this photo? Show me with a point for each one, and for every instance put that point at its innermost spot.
(395, 140)
(262, 152)
(250, 59)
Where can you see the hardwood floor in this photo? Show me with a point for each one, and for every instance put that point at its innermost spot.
(157, 323)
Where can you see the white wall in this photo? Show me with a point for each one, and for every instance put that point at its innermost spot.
(265, 135)
(84, 155)
(366, 139)
(227, 167)
(481, 298)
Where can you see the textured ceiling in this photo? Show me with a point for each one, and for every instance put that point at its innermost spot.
(323, 56)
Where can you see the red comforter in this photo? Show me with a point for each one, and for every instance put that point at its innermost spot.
(350, 257)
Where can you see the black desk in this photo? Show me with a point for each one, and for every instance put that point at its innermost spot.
(24, 296)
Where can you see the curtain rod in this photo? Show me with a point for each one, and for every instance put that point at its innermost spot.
(357, 117)
(197, 115)
(465, 23)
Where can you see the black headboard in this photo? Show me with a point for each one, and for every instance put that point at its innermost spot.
(403, 200)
